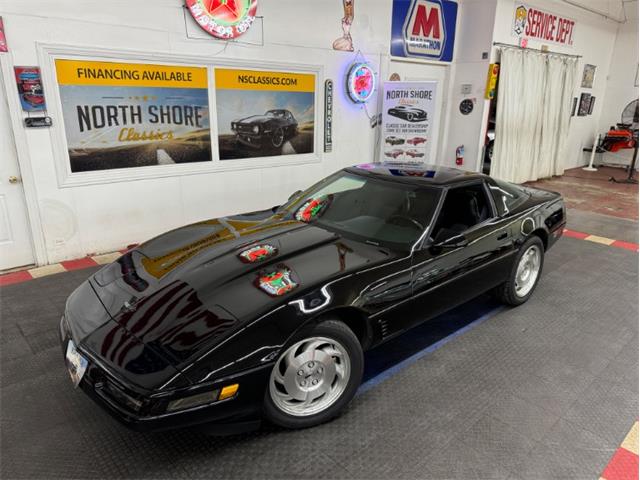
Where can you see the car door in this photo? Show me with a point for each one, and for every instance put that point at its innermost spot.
(446, 276)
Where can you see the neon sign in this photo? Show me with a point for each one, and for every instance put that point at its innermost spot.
(361, 82)
(224, 19)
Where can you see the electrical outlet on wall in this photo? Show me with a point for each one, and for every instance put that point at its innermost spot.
(466, 88)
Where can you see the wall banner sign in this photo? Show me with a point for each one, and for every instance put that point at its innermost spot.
(120, 115)
(535, 24)
(328, 115)
(264, 114)
(30, 89)
(424, 29)
(407, 118)
(224, 19)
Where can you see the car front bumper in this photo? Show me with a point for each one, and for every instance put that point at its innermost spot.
(233, 415)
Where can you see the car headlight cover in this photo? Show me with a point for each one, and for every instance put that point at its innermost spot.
(193, 401)
(256, 129)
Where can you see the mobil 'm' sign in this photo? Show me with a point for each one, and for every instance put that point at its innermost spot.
(424, 28)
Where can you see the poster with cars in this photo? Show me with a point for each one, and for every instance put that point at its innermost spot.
(407, 119)
(122, 115)
(264, 114)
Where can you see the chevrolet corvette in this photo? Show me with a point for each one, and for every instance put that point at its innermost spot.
(265, 315)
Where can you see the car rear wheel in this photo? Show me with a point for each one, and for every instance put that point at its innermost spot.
(278, 138)
(315, 377)
(524, 275)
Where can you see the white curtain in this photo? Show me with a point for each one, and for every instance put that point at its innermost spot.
(533, 114)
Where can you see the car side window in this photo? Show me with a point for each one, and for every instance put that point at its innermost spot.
(506, 196)
(463, 208)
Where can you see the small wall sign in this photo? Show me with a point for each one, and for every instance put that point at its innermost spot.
(328, 115)
(361, 82)
(3, 39)
(30, 89)
(226, 19)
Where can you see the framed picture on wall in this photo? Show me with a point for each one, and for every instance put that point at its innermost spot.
(574, 104)
(588, 74)
(592, 102)
(585, 103)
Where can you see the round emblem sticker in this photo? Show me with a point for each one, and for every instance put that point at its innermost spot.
(224, 19)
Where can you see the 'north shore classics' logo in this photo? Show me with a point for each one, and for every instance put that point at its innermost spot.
(424, 29)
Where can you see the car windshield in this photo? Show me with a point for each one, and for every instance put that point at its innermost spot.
(376, 211)
(275, 113)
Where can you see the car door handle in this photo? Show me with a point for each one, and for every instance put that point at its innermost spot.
(502, 236)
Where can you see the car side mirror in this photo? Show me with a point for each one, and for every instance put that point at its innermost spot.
(457, 241)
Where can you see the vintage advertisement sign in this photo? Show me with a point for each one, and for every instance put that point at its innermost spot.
(30, 89)
(264, 114)
(224, 19)
(424, 29)
(535, 24)
(407, 118)
(120, 115)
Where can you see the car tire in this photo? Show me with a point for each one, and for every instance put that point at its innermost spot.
(520, 286)
(277, 140)
(316, 356)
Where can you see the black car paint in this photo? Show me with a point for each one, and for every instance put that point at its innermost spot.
(180, 314)
(267, 125)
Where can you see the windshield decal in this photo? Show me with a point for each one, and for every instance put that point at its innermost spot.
(312, 208)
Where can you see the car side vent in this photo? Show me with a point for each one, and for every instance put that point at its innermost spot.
(384, 328)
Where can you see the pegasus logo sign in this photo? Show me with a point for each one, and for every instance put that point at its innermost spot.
(425, 33)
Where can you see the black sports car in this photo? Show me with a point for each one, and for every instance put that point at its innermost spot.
(269, 130)
(392, 140)
(267, 314)
(410, 114)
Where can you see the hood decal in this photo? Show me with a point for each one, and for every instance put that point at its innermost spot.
(276, 281)
(258, 253)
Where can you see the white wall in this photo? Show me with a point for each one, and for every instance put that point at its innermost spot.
(594, 38)
(80, 220)
(96, 218)
(620, 89)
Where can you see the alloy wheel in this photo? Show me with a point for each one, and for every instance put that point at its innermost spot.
(310, 376)
(528, 271)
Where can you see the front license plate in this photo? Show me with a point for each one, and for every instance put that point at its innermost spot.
(76, 363)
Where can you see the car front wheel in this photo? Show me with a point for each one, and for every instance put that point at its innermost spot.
(524, 275)
(315, 377)
(278, 138)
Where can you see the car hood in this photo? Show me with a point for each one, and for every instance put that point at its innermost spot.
(255, 119)
(184, 291)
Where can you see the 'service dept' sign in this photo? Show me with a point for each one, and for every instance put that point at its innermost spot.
(535, 24)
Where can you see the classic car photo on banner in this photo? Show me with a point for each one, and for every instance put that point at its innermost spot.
(120, 115)
(264, 114)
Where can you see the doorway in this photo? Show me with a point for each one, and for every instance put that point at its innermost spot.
(16, 248)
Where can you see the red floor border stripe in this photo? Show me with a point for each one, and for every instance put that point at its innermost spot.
(574, 234)
(627, 245)
(15, 277)
(622, 466)
(79, 264)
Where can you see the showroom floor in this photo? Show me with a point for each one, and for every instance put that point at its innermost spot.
(593, 192)
(546, 390)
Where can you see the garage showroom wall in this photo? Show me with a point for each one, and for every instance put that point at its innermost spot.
(77, 213)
